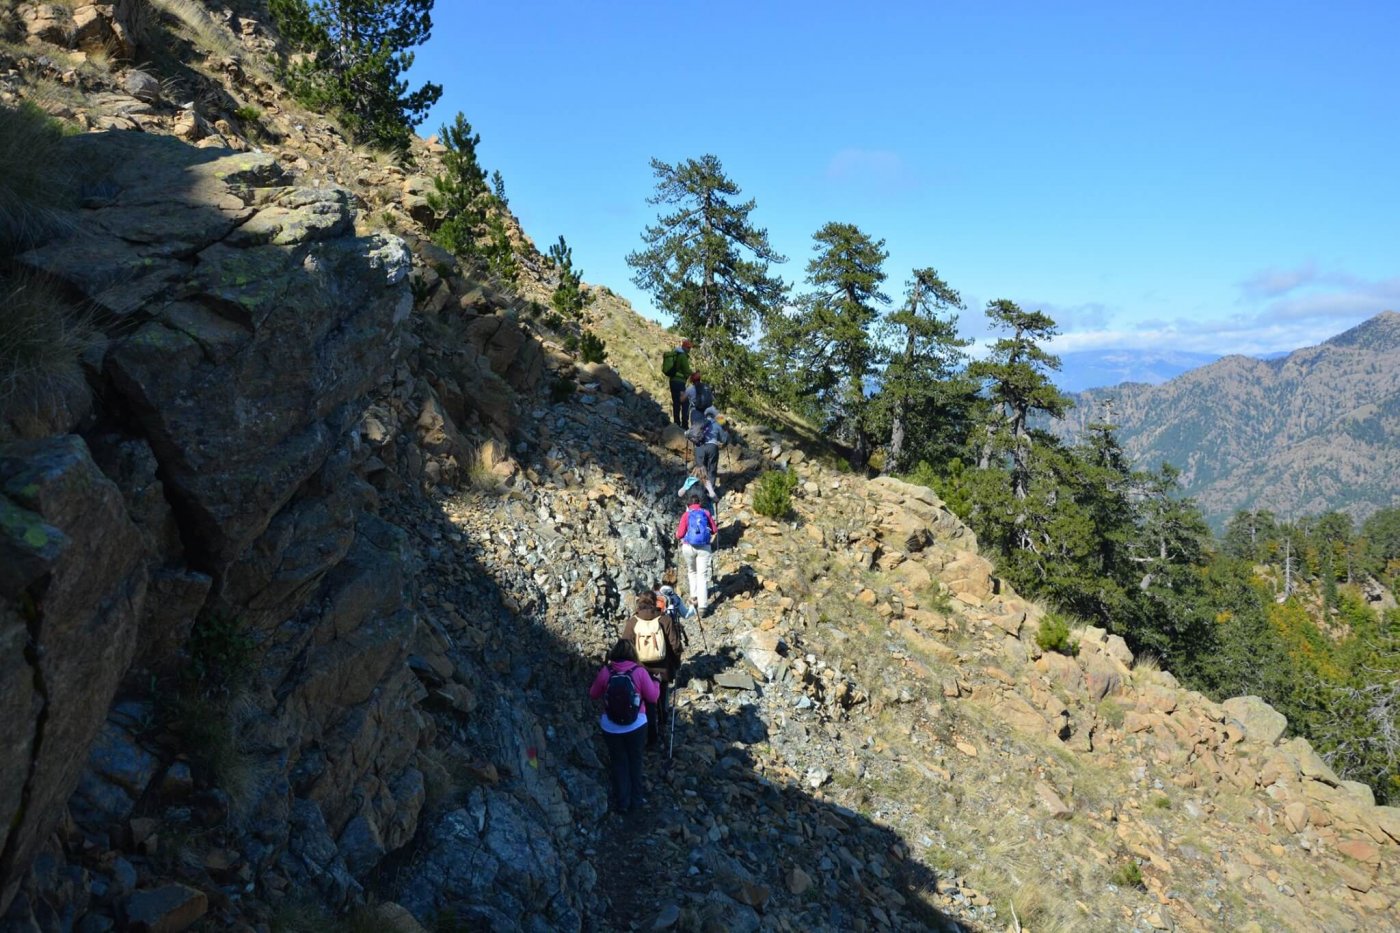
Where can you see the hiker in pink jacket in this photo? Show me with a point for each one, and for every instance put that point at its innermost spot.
(625, 688)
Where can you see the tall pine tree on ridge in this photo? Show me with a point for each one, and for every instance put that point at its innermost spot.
(707, 264)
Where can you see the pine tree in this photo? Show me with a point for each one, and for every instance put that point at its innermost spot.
(828, 338)
(459, 194)
(1015, 375)
(1250, 534)
(708, 265)
(568, 299)
(358, 53)
(500, 252)
(922, 391)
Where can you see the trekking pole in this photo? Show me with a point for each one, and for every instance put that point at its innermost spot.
(671, 726)
(704, 642)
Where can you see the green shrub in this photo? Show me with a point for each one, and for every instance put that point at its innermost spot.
(773, 494)
(248, 114)
(220, 656)
(499, 253)
(207, 706)
(592, 348)
(561, 389)
(1111, 713)
(569, 298)
(38, 180)
(1054, 635)
(1127, 875)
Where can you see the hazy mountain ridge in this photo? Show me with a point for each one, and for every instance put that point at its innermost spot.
(1315, 430)
(1083, 370)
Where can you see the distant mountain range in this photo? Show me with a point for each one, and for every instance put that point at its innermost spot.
(1088, 369)
(1314, 430)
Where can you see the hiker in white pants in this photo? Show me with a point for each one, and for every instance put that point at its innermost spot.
(696, 532)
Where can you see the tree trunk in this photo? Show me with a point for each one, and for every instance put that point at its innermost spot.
(896, 440)
(901, 409)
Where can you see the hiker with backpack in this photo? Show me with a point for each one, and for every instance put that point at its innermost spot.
(625, 688)
(698, 397)
(669, 602)
(675, 366)
(707, 435)
(696, 532)
(696, 483)
(658, 642)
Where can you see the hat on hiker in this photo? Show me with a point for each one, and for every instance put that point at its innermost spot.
(686, 344)
(694, 377)
(712, 412)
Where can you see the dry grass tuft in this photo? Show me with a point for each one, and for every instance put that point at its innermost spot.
(38, 183)
(1147, 662)
(200, 28)
(42, 340)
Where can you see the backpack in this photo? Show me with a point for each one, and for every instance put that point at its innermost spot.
(696, 432)
(650, 640)
(675, 606)
(668, 363)
(621, 702)
(704, 397)
(697, 528)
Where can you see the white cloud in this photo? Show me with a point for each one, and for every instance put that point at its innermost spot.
(1279, 310)
(1270, 283)
(879, 167)
(1333, 297)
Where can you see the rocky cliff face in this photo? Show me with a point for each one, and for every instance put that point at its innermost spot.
(302, 594)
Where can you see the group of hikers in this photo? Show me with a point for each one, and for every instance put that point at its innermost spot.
(633, 685)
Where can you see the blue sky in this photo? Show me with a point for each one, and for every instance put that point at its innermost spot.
(1211, 177)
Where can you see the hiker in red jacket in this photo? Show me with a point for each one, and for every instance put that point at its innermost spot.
(696, 532)
(625, 688)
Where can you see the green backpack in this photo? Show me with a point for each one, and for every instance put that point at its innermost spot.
(668, 363)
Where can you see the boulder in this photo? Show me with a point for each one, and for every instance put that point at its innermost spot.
(609, 382)
(1263, 725)
(512, 354)
(166, 909)
(1102, 675)
(72, 587)
(142, 86)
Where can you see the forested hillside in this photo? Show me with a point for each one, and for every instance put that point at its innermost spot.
(1314, 431)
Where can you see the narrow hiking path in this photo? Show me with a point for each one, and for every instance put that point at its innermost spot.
(737, 835)
(731, 831)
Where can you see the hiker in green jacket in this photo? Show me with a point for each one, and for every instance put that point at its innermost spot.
(675, 366)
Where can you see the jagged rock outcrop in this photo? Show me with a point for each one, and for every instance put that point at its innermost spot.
(71, 595)
(249, 321)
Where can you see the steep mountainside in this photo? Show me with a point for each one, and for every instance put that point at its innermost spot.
(302, 587)
(1316, 430)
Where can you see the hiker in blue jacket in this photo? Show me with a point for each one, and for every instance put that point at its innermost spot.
(709, 437)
